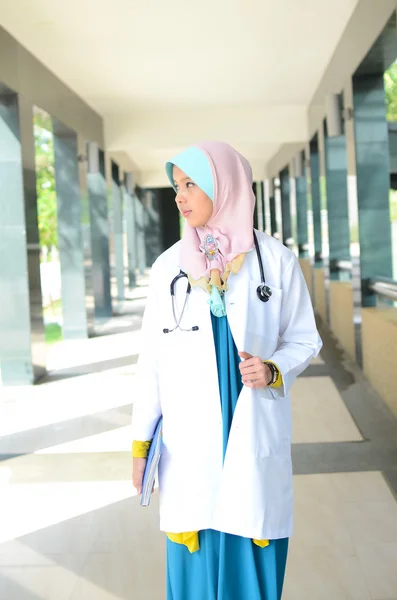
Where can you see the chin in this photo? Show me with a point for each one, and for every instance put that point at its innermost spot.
(194, 222)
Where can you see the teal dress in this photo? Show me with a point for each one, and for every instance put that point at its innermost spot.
(227, 567)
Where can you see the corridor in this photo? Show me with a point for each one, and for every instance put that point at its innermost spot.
(71, 527)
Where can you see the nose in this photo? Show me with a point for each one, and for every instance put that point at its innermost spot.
(180, 198)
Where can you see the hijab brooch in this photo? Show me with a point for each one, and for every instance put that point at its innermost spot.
(210, 246)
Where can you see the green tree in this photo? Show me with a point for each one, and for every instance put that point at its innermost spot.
(390, 79)
(45, 180)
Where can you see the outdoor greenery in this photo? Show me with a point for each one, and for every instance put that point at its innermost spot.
(47, 208)
(53, 333)
(393, 205)
(45, 180)
(390, 79)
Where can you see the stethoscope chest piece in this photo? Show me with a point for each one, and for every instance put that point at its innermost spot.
(264, 292)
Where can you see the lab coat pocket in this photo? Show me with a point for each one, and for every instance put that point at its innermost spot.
(263, 320)
(273, 426)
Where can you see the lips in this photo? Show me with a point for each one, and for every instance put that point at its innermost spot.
(186, 213)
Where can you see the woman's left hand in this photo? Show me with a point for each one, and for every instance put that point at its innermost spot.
(254, 372)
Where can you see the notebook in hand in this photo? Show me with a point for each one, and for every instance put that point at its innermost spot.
(152, 463)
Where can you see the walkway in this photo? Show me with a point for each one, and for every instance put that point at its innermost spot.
(71, 527)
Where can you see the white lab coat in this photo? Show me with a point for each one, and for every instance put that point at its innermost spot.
(250, 494)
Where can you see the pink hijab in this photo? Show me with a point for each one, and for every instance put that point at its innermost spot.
(232, 220)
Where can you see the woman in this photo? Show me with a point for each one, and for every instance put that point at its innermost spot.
(221, 381)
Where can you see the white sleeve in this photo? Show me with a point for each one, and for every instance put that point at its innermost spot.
(299, 339)
(146, 409)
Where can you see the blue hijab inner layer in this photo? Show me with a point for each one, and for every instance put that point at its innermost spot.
(195, 164)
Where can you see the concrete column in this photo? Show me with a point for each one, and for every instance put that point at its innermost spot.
(70, 239)
(301, 207)
(117, 203)
(316, 199)
(96, 181)
(129, 207)
(337, 204)
(272, 207)
(152, 226)
(266, 205)
(140, 228)
(22, 340)
(86, 232)
(169, 218)
(292, 202)
(373, 181)
(341, 301)
(286, 207)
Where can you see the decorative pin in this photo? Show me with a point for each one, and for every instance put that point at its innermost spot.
(210, 245)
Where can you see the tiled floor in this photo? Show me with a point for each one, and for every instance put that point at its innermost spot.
(71, 527)
(319, 413)
(340, 520)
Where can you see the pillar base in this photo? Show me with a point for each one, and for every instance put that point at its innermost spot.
(307, 271)
(379, 343)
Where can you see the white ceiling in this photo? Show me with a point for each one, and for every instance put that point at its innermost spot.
(167, 74)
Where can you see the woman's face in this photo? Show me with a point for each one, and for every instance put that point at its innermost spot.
(192, 202)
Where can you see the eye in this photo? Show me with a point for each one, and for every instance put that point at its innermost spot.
(190, 184)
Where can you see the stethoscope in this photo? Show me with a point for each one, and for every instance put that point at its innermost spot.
(263, 292)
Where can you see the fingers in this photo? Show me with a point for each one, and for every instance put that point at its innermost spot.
(138, 470)
(255, 382)
(254, 372)
(258, 381)
(251, 365)
(138, 486)
(244, 355)
(251, 371)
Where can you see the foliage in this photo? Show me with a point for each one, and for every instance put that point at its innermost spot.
(45, 180)
(390, 79)
(53, 333)
(323, 193)
(393, 205)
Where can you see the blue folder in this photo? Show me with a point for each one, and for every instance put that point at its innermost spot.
(152, 463)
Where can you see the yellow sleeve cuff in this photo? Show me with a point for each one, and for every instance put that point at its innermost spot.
(140, 449)
(279, 381)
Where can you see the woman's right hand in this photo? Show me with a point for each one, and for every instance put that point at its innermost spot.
(138, 469)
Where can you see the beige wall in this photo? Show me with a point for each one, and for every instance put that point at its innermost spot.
(379, 340)
(307, 271)
(320, 304)
(341, 305)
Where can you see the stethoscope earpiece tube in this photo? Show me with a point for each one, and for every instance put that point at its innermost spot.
(180, 275)
(263, 291)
